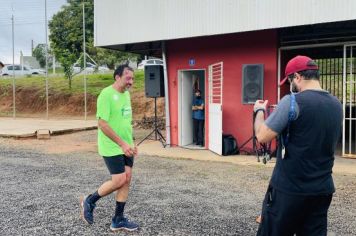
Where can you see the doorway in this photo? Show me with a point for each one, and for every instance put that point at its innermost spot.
(188, 82)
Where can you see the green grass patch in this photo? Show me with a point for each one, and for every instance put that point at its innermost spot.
(95, 83)
(58, 70)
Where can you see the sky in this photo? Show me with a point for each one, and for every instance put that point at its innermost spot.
(29, 24)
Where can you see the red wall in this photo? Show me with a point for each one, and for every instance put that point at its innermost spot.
(233, 50)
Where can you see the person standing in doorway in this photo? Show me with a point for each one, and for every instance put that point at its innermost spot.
(116, 146)
(309, 124)
(198, 119)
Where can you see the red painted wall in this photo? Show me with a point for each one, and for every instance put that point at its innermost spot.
(234, 50)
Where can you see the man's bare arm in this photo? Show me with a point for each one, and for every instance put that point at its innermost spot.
(262, 132)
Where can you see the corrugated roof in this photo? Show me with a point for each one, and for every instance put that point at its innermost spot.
(125, 22)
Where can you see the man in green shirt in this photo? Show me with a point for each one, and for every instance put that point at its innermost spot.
(116, 146)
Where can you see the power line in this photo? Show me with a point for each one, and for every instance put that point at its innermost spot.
(27, 23)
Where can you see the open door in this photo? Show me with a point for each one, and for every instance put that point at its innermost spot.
(186, 98)
(215, 107)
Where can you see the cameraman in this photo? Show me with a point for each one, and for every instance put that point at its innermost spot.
(301, 187)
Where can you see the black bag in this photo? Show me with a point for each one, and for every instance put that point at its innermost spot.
(229, 145)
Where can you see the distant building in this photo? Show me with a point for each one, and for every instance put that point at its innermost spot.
(31, 62)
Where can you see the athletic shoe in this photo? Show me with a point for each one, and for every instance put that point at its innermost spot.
(87, 210)
(123, 224)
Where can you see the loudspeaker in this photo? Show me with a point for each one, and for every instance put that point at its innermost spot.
(229, 145)
(154, 81)
(252, 83)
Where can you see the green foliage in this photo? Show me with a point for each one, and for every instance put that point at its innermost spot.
(66, 34)
(40, 54)
(108, 57)
(66, 37)
(139, 82)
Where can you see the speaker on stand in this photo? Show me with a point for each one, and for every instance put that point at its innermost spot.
(252, 83)
(154, 87)
(252, 90)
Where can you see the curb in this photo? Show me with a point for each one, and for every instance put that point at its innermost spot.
(56, 132)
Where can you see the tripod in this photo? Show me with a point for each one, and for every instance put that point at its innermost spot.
(155, 130)
(260, 149)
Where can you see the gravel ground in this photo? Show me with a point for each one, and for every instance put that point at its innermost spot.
(40, 193)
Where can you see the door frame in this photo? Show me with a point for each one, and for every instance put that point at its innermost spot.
(180, 77)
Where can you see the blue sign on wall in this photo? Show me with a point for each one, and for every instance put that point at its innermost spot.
(191, 62)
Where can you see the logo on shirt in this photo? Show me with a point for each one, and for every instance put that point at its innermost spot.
(116, 97)
(126, 112)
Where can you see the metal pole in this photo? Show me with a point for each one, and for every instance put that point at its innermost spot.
(350, 100)
(13, 71)
(155, 118)
(166, 91)
(344, 99)
(54, 65)
(46, 50)
(85, 65)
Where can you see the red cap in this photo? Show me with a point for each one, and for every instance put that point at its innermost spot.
(296, 64)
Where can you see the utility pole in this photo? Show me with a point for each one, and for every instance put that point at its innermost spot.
(21, 61)
(32, 47)
(85, 65)
(13, 68)
(54, 64)
(46, 50)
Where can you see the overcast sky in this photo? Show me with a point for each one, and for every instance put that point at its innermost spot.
(29, 19)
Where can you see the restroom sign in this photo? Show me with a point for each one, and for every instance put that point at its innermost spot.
(191, 62)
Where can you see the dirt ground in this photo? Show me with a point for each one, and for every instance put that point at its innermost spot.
(60, 144)
(32, 103)
(42, 180)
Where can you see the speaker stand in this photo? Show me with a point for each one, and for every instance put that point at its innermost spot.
(253, 138)
(155, 130)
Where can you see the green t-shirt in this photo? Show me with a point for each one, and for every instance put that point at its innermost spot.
(115, 108)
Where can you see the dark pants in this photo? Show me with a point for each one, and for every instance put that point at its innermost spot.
(198, 131)
(285, 215)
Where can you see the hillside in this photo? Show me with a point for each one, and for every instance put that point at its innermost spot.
(65, 102)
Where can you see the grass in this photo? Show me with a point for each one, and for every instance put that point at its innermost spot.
(95, 83)
(58, 70)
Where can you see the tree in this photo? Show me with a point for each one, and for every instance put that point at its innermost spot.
(66, 37)
(40, 54)
(108, 57)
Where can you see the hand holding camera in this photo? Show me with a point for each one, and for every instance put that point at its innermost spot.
(260, 105)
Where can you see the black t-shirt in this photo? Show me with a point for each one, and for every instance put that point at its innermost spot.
(309, 156)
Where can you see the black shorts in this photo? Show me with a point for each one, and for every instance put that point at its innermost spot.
(116, 164)
(287, 215)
